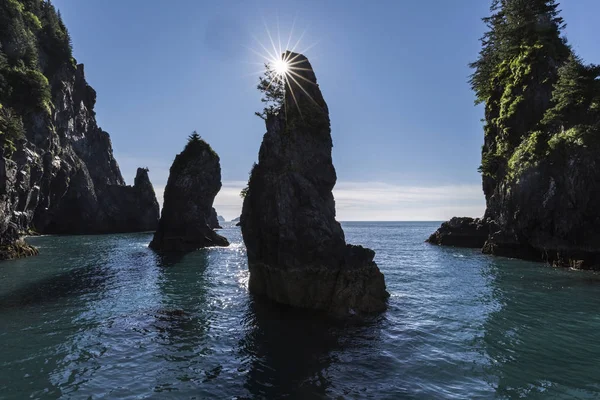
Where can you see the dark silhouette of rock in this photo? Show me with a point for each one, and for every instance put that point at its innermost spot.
(461, 232)
(60, 175)
(297, 251)
(213, 220)
(194, 181)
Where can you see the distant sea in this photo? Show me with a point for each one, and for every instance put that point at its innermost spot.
(105, 317)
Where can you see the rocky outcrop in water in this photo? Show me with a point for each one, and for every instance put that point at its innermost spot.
(461, 232)
(541, 153)
(194, 181)
(57, 169)
(297, 252)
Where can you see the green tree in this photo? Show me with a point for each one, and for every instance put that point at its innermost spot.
(194, 138)
(11, 130)
(272, 86)
(576, 96)
(513, 25)
(515, 74)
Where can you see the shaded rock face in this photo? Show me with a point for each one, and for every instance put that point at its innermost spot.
(194, 181)
(213, 220)
(63, 178)
(551, 212)
(461, 232)
(57, 169)
(297, 251)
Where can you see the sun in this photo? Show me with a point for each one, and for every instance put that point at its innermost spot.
(281, 67)
(282, 64)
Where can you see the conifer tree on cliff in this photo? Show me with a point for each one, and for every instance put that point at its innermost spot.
(271, 85)
(514, 75)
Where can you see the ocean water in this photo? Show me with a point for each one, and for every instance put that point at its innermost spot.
(105, 317)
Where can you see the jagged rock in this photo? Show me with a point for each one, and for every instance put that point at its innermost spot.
(213, 220)
(194, 181)
(220, 218)
(297, 252)
(461, 232)
(62, 177)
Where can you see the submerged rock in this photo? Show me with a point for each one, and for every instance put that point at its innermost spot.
(461, 232)
(194, 181)
(297, 252)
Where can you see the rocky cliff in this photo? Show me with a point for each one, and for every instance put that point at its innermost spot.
(57, 170)
(541, 150)
(297, 252)
(194, 181)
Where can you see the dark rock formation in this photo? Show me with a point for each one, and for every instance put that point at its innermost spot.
(541, 153)
(297, 251)
(461, 232)
(213, 220)
(194, 181)
(552, 213)
(57, 170)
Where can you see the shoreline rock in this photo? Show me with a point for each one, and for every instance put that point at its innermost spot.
(17, 249)
(194, 181)
(461, 232)
(297, 253)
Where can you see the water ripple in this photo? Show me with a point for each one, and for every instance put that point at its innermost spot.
(104, 316)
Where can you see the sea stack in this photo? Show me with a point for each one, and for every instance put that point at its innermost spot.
(541, 155)
(194, 181)
(297, 252)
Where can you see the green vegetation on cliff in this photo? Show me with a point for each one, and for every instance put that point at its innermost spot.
(34, 46)
(539, 97)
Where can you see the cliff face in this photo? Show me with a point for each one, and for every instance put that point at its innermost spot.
(57, 170)
(194, 181)
(297, 252)
(541, 148)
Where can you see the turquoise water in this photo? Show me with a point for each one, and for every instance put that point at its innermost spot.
(105, 317)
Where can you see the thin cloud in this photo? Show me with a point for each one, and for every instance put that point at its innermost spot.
(355, 201)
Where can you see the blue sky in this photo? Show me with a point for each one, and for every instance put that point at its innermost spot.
(406, 133)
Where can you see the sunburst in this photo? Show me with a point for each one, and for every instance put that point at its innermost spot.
(282, 60)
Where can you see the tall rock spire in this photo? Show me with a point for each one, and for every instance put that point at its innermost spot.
(297, 251)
